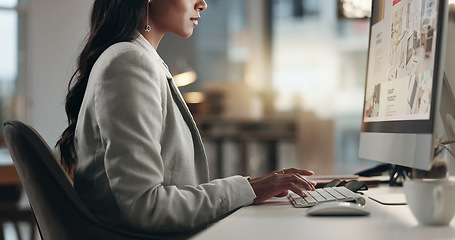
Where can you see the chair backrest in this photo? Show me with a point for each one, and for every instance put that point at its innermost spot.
(59, 212)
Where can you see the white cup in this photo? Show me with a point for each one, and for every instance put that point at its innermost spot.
(432, 201)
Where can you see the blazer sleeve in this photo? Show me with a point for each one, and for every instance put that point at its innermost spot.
(129, 112)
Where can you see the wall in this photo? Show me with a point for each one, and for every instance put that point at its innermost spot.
(54, 31)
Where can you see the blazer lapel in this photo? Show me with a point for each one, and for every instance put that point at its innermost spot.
(186, 115)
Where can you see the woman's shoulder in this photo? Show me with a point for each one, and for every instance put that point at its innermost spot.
(126, 56)
(122, 62)
(125, 50)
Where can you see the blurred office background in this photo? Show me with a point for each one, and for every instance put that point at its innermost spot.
(279, 83)
(293, 68)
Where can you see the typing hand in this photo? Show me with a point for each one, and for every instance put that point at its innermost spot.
(278, 183)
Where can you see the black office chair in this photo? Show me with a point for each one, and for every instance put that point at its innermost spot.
(59, 212)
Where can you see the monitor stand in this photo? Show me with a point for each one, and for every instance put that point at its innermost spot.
(398, 174)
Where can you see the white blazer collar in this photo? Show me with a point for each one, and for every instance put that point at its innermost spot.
(142, 42)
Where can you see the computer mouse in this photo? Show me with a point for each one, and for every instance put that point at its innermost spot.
(338, 209)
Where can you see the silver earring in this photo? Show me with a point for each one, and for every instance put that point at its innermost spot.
(147, 27)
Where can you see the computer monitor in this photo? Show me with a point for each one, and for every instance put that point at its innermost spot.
(407, 97)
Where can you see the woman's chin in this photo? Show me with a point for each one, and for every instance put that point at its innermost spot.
(185, 34)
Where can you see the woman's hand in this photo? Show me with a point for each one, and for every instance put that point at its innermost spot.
(278, 183)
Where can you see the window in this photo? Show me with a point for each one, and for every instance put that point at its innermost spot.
(8, 57)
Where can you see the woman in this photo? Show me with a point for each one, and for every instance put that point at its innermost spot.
(140, 159)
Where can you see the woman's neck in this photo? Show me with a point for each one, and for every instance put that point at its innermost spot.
(152, 37)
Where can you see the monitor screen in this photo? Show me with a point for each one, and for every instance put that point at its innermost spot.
(404, 73)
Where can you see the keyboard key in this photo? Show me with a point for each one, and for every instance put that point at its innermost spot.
(336, 194)
(316, 195)
(346, 192)
(310, 199)
(325, 194)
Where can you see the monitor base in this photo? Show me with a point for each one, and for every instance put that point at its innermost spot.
(398, 174)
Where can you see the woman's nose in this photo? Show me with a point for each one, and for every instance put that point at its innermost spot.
(201, 6)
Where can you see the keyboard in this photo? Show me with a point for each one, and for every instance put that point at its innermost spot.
(325, 195)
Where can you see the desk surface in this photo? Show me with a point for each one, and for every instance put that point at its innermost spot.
(277, 219)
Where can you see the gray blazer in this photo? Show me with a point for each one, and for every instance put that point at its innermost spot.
(141, 161)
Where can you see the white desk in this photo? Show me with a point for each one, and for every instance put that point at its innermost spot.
(277, 219)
